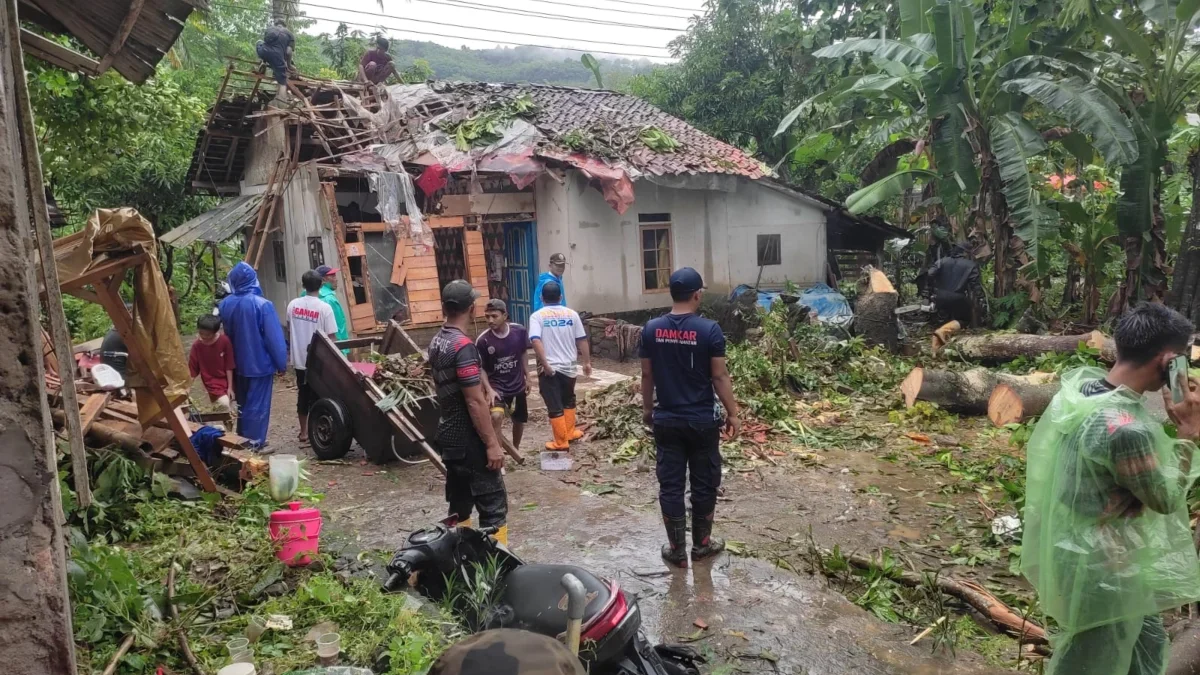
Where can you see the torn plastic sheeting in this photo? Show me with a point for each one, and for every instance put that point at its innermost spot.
(823, 302)
(388, 124)
(394, 189)
(432, 179)
(613, 181)
(522, 167)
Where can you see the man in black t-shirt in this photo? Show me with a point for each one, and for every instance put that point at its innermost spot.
(683, 359)
(468, 443)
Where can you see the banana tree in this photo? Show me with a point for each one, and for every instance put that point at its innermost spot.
(975, 80)
(1159, 71)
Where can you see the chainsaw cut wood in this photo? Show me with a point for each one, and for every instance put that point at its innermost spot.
(965, 392)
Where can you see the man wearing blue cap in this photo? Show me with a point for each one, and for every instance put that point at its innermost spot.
(683, 360)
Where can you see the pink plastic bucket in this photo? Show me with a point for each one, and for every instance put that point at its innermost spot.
(297, 533)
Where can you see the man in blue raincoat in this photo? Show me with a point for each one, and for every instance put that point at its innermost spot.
(558, 265)
(259, 350)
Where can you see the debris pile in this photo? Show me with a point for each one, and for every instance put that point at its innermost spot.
(405, 380)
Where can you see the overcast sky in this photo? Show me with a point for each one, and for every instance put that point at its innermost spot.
(477, 28)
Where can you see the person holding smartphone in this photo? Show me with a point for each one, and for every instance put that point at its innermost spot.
(1106, 534)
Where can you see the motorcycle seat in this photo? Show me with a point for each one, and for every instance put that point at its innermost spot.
(534, 598)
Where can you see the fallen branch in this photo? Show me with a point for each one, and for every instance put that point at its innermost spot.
(183, 641)
(116, 659)
(971, 593)
(923, 634)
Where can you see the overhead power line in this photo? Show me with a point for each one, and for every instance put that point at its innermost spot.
(651, 4)
(489, 29)
(617, 9)
(456, 37)
(543, 15)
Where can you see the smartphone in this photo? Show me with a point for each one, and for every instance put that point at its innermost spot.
(1178, 374)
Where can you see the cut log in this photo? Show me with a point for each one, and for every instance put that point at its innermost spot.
(103, 435)
(1002, 347)
(966, 392)
(875, 312)
(1013, 403)
(942, 335)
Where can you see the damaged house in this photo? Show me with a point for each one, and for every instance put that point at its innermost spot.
(407, 187)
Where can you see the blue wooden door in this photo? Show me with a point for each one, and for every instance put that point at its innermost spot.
(520, 269)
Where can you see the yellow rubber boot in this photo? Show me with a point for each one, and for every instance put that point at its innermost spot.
(559, 426)
(464, 523)
(573, 434)
(502, 535)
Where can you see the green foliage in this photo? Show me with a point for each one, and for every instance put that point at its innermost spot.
(488, 125)
(593, 65)
(1056, 362)
(658, 140)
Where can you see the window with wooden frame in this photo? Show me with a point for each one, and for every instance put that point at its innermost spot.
(654, 233)
(280, 261)
(770, 249)
(316, 253)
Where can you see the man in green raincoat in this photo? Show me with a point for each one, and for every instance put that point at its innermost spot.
(1106, 538)
(329, 295)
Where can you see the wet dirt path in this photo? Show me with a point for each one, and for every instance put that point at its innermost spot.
(760, 618)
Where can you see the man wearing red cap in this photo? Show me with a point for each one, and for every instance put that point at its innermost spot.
(329, 295)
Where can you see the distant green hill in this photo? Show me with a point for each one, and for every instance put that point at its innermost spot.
(515, 64)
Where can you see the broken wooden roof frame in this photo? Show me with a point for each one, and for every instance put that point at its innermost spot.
(131, 36)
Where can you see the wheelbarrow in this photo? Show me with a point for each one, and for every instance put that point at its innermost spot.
(347, 409)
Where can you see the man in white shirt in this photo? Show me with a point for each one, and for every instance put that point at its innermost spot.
(559, 340)
(307, 315)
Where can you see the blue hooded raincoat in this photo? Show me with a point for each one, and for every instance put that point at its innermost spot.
(259, 349)
(537, 291)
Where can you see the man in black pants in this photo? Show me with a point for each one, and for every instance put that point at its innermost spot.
(465, 437)
(683, 359)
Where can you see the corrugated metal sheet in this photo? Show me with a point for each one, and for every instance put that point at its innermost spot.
(216, 225)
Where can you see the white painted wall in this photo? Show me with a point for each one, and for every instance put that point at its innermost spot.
(714, 232)
(305, 214)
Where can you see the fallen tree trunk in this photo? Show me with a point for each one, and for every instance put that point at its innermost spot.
(1013, 402)
(1185, 651)
(875, 312)
(1002, 347)
(965, 392)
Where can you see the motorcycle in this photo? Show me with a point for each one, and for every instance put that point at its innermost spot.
(538, 598)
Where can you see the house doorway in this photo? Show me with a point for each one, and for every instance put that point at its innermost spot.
(520, 269)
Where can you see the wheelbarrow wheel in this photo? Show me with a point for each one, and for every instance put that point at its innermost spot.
(329, 429)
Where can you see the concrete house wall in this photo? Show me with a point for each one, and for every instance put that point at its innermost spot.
(713, 231)
(302, 213)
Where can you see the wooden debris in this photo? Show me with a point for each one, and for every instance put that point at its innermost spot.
(1000, 614)
(875, 311)
(942, 335)
(1013, 403)
(996, 348)
(965, 392)
(91, 408)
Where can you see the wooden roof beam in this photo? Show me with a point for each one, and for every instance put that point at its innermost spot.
(118, 42)
(53, 53)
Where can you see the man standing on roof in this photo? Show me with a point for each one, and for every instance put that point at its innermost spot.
(465, 436)
(376, 65)
(558, 265)
(683, 360)
(275, 49)
(559, 341)
(329, 295)
(258, 349)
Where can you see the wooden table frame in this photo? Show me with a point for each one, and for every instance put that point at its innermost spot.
(105, 281)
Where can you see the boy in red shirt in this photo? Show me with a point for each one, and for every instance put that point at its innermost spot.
(212, 360)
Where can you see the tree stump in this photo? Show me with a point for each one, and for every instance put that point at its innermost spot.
(875, 312)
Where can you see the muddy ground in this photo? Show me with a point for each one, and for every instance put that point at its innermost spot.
(924, 488)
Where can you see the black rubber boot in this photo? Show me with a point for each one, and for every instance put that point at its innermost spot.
(704, 544)
(675, 550)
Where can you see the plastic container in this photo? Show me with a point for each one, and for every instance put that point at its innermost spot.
(237, 645)
(106, 377)
(296, 531)
(329, 646)
(284, 476)
(238, 669)
(255, 628)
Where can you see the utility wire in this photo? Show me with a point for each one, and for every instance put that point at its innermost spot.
(651, 4)
(492, 30)
(508, 10)
(454, 37)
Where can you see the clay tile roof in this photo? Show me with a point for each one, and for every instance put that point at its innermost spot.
(563, 109)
